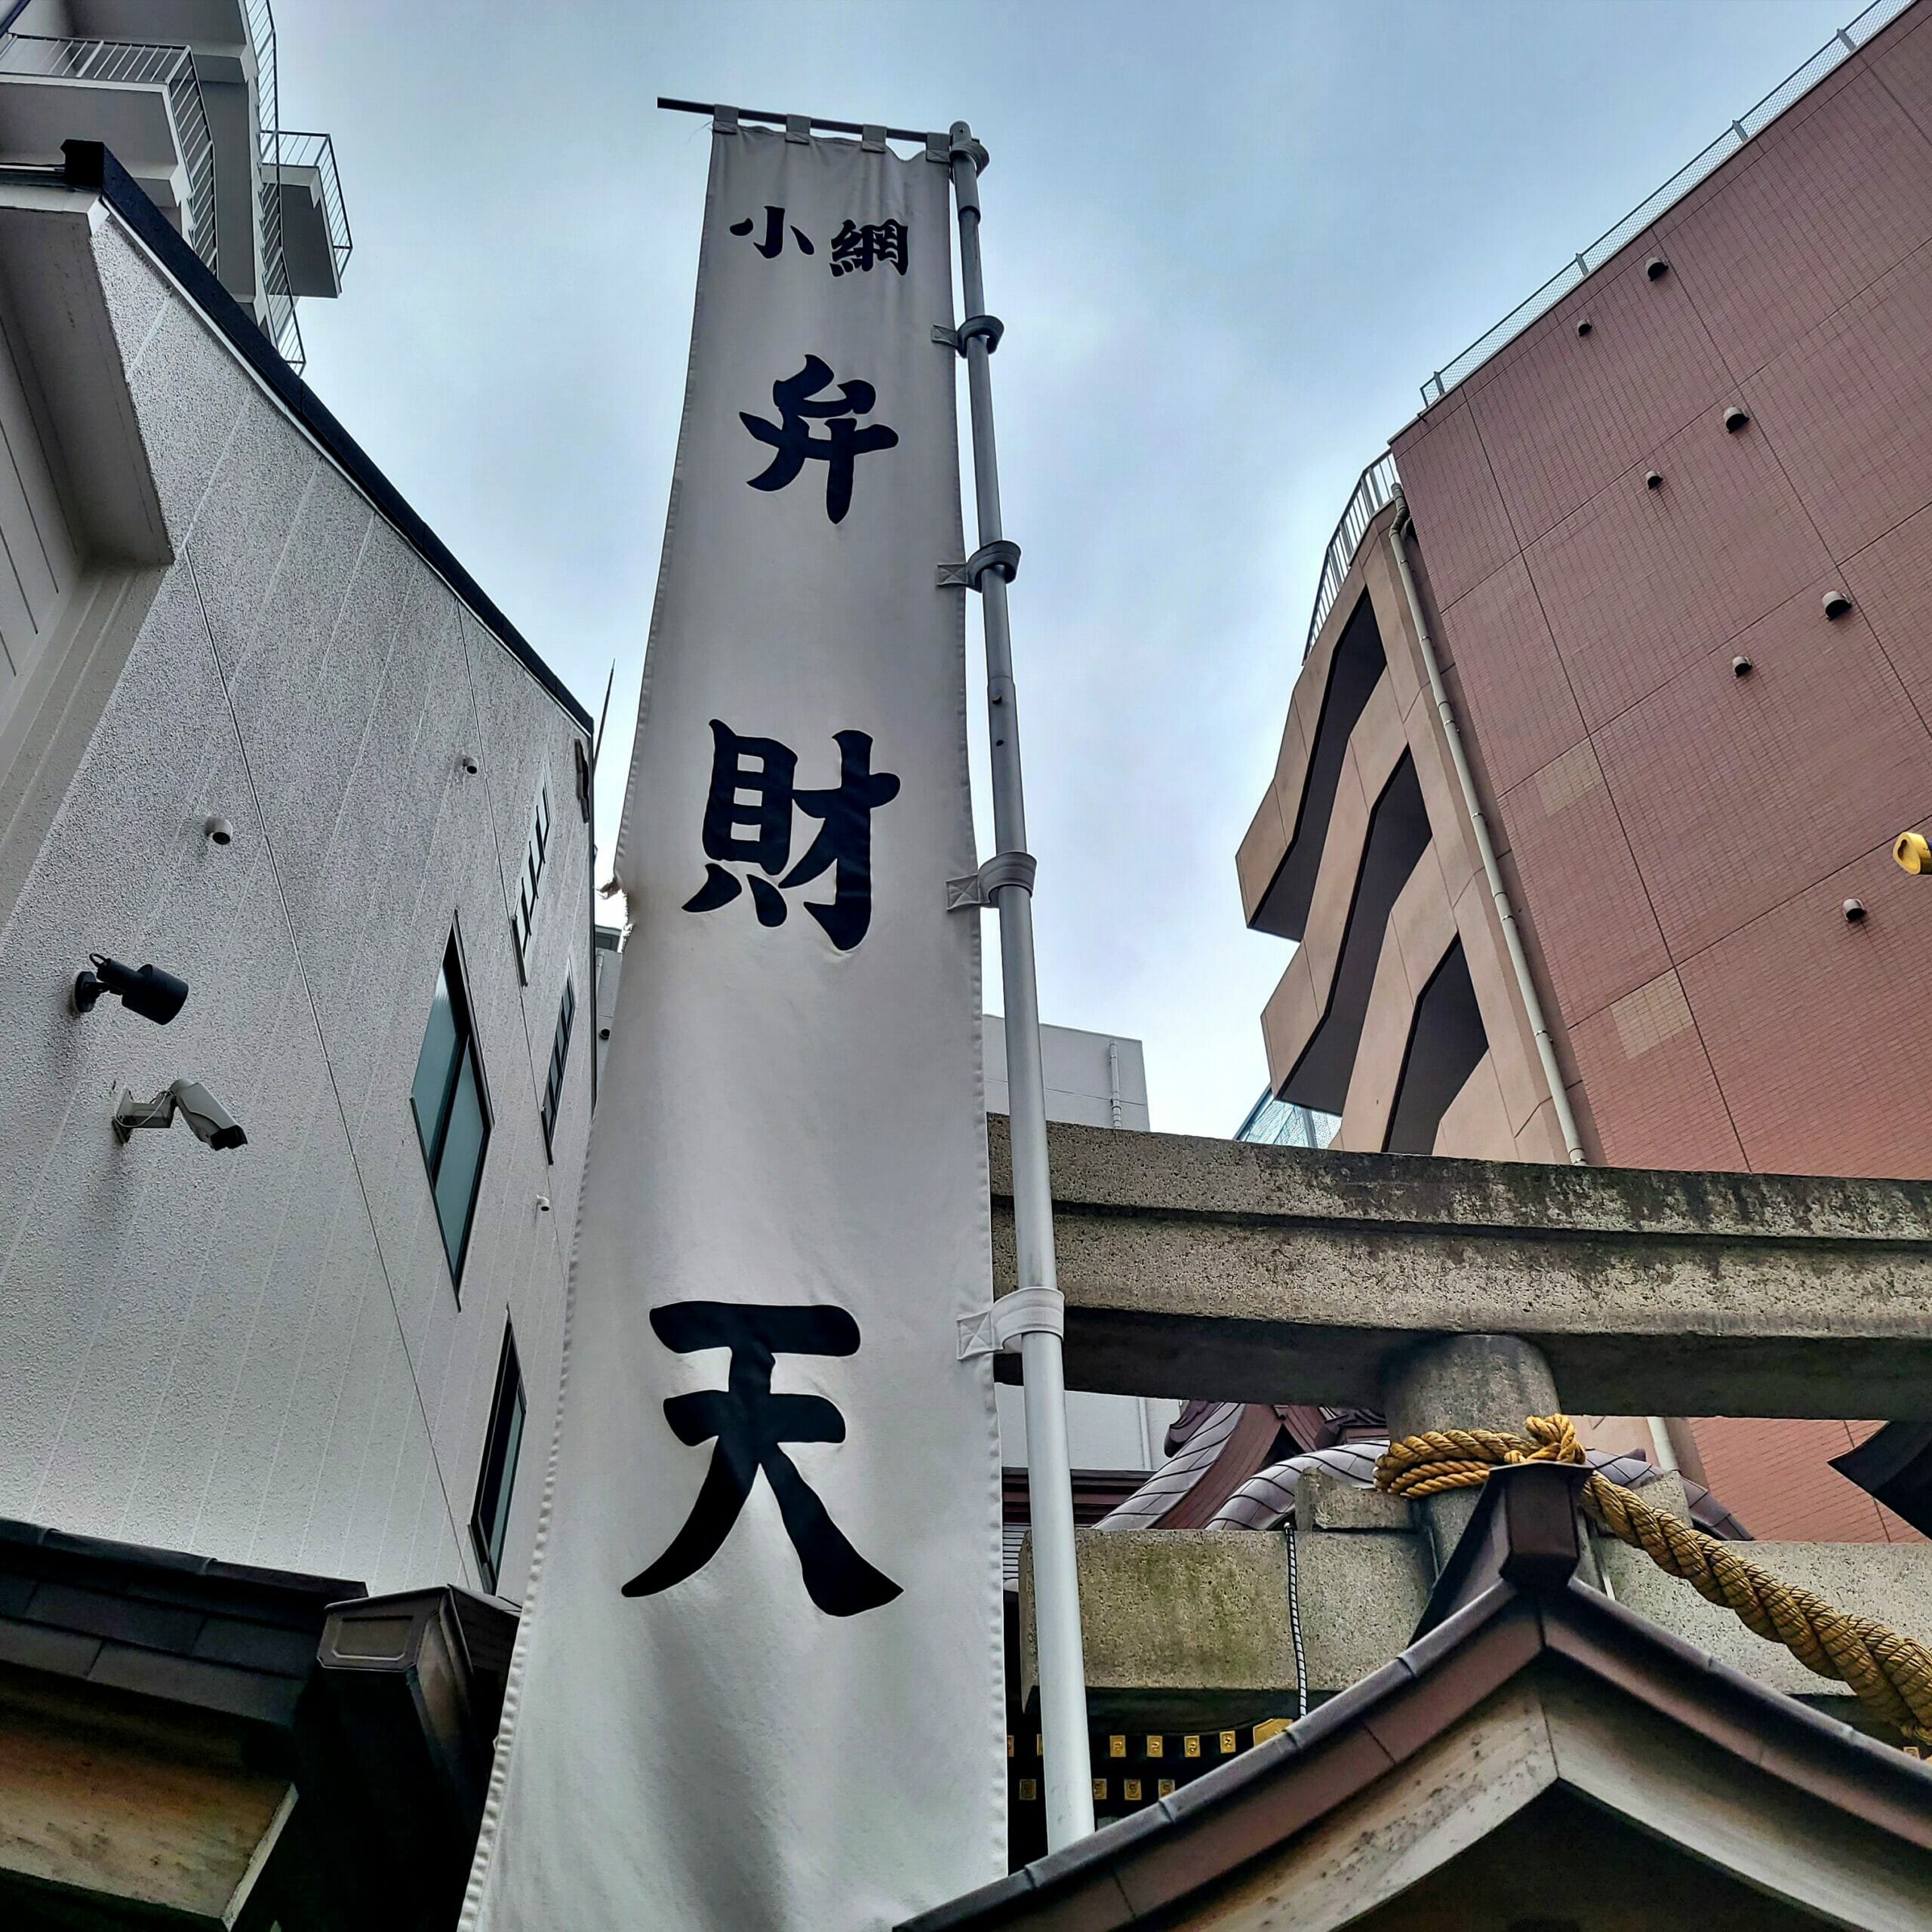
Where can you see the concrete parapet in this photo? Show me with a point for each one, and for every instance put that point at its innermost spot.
(1323, 1501)
(1273, 1274)
(1191, 1627)
(1890, 1581)
(1187, 1628)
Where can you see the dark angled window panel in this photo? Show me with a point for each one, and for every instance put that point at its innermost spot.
(495, 1482)
(560, 1057)
(452, 1108)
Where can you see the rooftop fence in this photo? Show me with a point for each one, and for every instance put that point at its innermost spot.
(1801, 79)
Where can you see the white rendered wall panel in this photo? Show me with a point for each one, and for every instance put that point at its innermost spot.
(258, 1354)
(187, 419)
(39, 563)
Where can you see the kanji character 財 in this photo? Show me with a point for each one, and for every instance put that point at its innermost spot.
(748, 815)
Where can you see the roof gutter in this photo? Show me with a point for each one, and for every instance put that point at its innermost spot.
(1566, 1117)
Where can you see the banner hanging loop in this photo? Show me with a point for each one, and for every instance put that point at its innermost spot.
(1001, 557)
(978, 889)
(1005, 1326)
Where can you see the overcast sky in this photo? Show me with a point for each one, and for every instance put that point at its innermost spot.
(1228, 240)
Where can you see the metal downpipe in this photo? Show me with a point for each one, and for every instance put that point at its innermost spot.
(1061, 1651)
(1566, 1118)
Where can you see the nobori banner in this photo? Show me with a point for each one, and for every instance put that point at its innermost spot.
(758, 1682)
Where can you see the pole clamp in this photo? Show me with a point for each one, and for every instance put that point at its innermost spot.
(1025, 1311)
(960, 143)
(1002, 556)
(978, 889)
(991, 326)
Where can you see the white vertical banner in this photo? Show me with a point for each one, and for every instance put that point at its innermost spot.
(759, 1684)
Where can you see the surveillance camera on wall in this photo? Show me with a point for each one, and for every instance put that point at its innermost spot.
(213, 1125)
(154, 995)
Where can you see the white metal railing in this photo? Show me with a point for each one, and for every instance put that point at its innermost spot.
(128, 63)
(287, 150)
(277, 303)
(1374, 490)
(1801, 79)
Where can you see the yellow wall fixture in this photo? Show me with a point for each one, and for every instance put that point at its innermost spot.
(1912, 851)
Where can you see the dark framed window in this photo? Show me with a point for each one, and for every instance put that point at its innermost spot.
(452, 1108)
(584, 778)
(523, 918)
(560, 1058)
(489, 1520)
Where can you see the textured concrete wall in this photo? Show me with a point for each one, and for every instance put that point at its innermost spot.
(1193, 1625)
(1258, 1274)
(1183, 1626)
(260, 1355)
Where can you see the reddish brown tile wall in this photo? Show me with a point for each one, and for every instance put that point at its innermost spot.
(1685, 838)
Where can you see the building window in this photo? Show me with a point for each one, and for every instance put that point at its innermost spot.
(490, 1521)
(560, 1056)
(529, 879)
(452, 1108)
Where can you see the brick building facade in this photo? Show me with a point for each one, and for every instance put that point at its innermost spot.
(1671, 549)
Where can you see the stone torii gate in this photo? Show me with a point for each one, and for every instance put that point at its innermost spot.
(1456, 1294)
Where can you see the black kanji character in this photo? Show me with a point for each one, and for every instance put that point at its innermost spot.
(748, 819)
(750, 1425)
(853, 247)
(845, 439)
(775, 233)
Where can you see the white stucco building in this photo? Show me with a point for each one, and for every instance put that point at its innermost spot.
(264, 1481)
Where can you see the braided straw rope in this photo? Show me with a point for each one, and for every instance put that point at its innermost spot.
(1891, 1674)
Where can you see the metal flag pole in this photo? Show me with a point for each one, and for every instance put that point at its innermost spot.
(1007, 880)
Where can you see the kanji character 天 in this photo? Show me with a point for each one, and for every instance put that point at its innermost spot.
(750, 1425)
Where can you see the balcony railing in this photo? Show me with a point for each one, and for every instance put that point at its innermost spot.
(287, 149)
(129, 63)
(1374, 490)
(277, 306)
(1801, 80)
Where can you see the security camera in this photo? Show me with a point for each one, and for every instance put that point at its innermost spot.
(213, 1125)
(154, 995)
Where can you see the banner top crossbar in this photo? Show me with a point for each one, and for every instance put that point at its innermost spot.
(779, 120)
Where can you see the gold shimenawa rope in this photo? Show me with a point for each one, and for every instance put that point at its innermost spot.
(1891, 1674)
